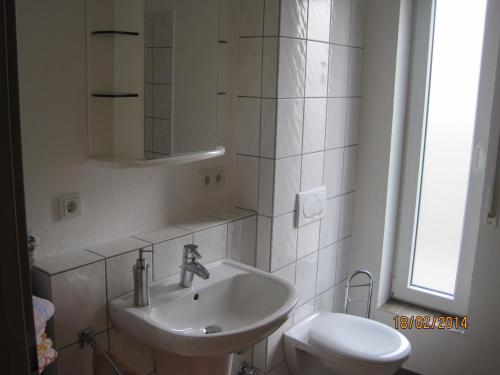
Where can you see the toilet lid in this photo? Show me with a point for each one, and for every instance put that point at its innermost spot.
(358, 339)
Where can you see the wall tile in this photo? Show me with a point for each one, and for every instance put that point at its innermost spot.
(79, 361)
(324, 301)
(242, 238)
(341, 22)
(168, 256)
(283, 242)
(317, 69)
(79, 297)
(357, 23)
(314, 125)
(248, 126)
(289, 127)
(275, 346)
(66, 261)
(355, 85)
(250, 65)
(232, 214)
(148, 134)
(148, 100)
(303, 311)
(162, 65)
(259, 355)
(212, 243)
(327, 267)
(162, 234)
(312, 171)
(271, 17)
(343, 260)
(266, 186)
(319, 20)
(346, 211)
(336, 122)
(134, 355)
(292, 61)
(162, 130)
(148, 65)
(119, 274)
(118, 246)
(338, 71)
(200, 223)
(305, 281)
(264, 234)
(339, 297)
(349, 169)
(247, 182)
(162, 101)
(293, 22)
(352, 121)
(308, 239)
(334, 160)
(268, 128)
(286, 184)
(163, 26)
(286, 273)
(270, 67)
(329, 232)
(251, 17)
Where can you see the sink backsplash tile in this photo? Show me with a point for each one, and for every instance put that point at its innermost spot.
(81, 283)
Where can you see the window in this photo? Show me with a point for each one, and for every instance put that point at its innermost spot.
(441, 122)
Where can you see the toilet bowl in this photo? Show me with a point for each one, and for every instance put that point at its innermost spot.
(340, 344)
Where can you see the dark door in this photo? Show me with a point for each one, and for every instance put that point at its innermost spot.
(16, 311)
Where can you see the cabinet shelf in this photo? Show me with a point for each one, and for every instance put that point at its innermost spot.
(115, 95)
(114, 32)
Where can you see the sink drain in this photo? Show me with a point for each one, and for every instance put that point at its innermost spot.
(211, 329)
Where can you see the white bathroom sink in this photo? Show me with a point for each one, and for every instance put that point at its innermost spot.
(239, 304)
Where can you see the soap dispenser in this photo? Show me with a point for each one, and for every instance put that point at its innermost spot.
(141, 280)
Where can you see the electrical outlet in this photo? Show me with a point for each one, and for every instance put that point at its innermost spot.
(212, 178)
(70, 206)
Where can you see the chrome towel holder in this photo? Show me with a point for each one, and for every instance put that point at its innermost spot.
(348, 285)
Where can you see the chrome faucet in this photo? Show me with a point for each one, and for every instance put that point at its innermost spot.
(190, 266)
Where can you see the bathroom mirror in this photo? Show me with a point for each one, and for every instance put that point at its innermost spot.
(152, 74)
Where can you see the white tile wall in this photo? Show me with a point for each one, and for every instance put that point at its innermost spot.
(247, 179)
(241, 240)
(318, 26)
(339, 69)
(289, 120)
(306, 278)
(212, 243)
(317, 69)
(248, 126)
(81, 282)
(314, 125)
(334, 160)
(79, 297)
(341, 22)
(293, 21)
(284, 241)
(287, 183)
(251, 17)
(250, 65)
(336, 122)
(312, 171)
(292, 63)
(309, 119)
(168, 256)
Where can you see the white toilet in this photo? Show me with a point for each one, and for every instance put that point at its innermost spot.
(339, 344)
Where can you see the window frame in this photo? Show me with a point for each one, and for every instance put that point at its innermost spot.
(416, 118)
